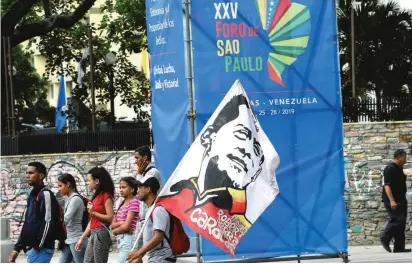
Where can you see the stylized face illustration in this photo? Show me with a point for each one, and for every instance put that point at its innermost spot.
(236, 152)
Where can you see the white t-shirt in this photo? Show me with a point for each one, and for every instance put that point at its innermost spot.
(161, 222)
(152, 172)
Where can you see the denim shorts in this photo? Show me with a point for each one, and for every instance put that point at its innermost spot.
(124, 245)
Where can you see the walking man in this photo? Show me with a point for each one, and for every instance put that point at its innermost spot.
(394, 199)
(155, 245)
(145, 169)
(39, 230)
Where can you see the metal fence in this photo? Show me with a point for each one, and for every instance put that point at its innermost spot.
(373, 110)
(114, 140)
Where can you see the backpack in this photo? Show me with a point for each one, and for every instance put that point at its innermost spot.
(178, 240)
(60, 228)
(86, 216)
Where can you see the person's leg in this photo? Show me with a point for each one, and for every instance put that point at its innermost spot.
(89, 254)
(66, 255)
(390, 228)
(125, 243)
(44, 255)
(78, 256)
(101, 246)
(399, 245)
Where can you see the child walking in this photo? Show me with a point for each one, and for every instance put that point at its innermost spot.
(126, 218)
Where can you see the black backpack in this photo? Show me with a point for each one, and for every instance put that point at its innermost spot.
(86, 217)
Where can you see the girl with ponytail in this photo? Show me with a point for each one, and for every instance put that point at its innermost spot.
(73, 216)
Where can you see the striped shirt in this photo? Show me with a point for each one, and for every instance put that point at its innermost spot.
(132, 206)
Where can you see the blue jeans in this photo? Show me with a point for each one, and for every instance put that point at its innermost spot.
(69, 253)
(44, 255)
(124, 245)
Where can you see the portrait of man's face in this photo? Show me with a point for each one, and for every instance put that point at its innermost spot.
(235, 148)
(234, 157)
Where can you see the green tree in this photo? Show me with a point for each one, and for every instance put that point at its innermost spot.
(121, 34)
(23, 20)
(30, 94)
(383, 48)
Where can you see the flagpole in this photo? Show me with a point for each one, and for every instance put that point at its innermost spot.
(191, 115)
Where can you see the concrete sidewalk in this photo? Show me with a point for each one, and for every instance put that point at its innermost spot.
(357, 254)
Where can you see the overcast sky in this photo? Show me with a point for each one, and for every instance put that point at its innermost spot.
(405, 3)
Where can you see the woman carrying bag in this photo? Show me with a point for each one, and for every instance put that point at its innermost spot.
(73, 216)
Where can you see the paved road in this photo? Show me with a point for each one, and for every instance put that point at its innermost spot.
(358, 254)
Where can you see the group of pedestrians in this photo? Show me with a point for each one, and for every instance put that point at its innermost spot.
(89, 225)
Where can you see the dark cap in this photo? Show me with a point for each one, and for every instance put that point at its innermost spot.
(151, 182)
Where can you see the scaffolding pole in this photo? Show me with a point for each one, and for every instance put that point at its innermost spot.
(191, 115)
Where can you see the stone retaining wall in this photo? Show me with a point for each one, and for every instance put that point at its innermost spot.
(368, 148)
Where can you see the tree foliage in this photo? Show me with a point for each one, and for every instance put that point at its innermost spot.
(30, 94)
(383, 47)
(63, 46)
(25, 19)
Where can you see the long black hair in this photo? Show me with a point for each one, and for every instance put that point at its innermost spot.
(132, 182)
(68, 178)
(105, 185)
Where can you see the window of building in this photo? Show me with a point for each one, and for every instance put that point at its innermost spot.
(69, 88)
(52, 91)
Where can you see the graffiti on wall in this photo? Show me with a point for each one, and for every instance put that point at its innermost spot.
(364, 180)
(14, 187)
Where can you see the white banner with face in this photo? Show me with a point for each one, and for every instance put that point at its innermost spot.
(227, 178)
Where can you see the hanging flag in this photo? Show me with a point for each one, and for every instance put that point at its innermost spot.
(61, 109)
(226, 179)
(145, 69)
(80, 72)
(145, 63)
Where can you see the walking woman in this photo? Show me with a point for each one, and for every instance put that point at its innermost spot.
(73, 216)
(101, 213)
(127, 215)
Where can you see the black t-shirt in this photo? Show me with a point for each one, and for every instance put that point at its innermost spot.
(394, 177)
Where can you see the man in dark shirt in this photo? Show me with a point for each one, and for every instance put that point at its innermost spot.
(394, 199)
(38, 235)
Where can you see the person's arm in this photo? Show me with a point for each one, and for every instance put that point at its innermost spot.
(108, 217)
(82, 238)
(387, 180)
(16, 251)
(133, 212)
(125, 227)
(137, 256)
(73, 205)
(388, 191)
(47, 226)
(161, 220)
(115, 223)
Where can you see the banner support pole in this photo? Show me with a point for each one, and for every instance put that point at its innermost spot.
(191, 115)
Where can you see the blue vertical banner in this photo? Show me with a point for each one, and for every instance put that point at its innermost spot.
(285, 54)
(168, 82)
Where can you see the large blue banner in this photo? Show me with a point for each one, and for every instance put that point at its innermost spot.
(285, 54)
(170, 96)
(168, 82)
